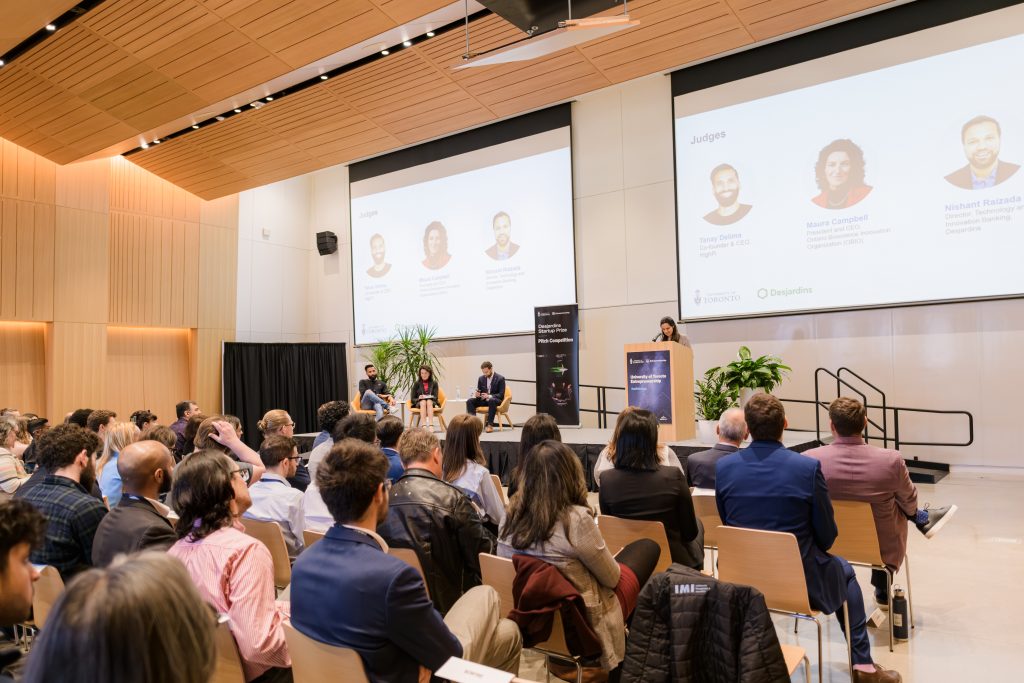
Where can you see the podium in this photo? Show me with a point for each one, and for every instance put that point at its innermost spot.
(659, 378)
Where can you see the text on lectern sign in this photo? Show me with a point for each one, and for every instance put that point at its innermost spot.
(649, 383)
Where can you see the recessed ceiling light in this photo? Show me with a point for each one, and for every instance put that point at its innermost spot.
(51, 27)
(156, 142)
(220, 118)
(269, 98)
(430, 34)
(195, 126)
(324, 77)
(238, 111)
(385, 53)
(1, 62)
(145, 145)
(407, 43)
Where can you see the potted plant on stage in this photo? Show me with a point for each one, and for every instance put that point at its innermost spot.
(712, 397)
(398, 359)
(748, 375)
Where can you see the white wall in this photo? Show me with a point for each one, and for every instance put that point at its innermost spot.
(958, 356)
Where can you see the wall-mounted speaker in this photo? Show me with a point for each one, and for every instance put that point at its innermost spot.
(326, 242)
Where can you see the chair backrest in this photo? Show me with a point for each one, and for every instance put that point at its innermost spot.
(858, 537)
(269, 534)
(506, 400)
(619, 532)
(499, 573)
(409, 556)
(313, 661)
(707, 512)
(441, 398)
(496, 480)
(48, 589)
(309, 537)
(229, 662)
(767, 560)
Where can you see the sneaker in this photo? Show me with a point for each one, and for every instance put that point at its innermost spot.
(937, 518)
(879, 675)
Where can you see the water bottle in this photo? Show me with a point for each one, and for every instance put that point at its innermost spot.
(898, 614)
(458, 392)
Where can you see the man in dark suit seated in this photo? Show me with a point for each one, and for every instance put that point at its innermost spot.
(139, 520)
(731, 430)
(348, 591)
(490, 392)
(766, 486)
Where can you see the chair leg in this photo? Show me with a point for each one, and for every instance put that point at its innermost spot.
(849, 646)
(807, 669)
(888, 592)
(440, 418)
(821, 658)
(910, 602)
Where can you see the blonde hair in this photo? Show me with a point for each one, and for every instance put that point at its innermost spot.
(8, 424)
(273, 421)
(118, 436)
(22, 431)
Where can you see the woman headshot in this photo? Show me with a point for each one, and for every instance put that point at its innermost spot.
(840, 175)
(435, 246)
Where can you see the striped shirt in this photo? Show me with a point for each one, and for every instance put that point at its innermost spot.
(72, 517)
(235, 574)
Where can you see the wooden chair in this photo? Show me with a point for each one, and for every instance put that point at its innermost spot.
(309, 537)
(619, 532)
(409, 556)
(499, 573)
(48, 590)
(438, 410)
(707, 512)
(857, 543)
(496, 480)
(269, 534)
(794, 656)
(770, 562)
(228, 668)
(313, 661)
(356, 405)
(502, 411)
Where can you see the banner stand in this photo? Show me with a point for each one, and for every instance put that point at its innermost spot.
(556, 341)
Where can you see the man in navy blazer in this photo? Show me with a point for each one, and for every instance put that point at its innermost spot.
(348, 591)
(767, 486)
(731, 430)
(490, 392)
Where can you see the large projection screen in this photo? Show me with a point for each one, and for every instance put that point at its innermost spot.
(878, 176)
(467, 235)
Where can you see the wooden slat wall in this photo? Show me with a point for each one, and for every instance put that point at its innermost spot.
(147, 369)
(22, 376)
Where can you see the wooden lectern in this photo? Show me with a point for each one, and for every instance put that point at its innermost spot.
(669, 395)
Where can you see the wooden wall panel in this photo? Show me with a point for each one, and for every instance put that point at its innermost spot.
(22, 375)
(218, 276)
(76, 364)
(205, 358)
(146, 369)
(81, 266)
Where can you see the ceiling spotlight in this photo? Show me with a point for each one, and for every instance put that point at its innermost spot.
(407, 43)
(1, 62)
(156, 142)
(385, 52)
(195, 126)
(51, 27)
(269, 98)
(145, 145)
(324, 77)
(430, 34)
(238, 111)
(220, 118)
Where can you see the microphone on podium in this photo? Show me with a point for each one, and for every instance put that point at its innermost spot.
(656, 337)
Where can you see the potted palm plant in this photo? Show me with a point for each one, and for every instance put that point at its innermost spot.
(712, 396)
(398, 359)
(748, 375)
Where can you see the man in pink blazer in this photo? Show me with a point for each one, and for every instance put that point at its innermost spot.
(855, 470)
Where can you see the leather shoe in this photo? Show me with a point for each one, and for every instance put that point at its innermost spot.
(879, 675)
(489, 429)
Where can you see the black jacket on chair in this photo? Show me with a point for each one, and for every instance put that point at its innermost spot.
(692, 627)
(439, 522)
(133, 525)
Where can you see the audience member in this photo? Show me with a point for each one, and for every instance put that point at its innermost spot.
(766, 486)
(464, 467)
(606, 458)
(216, 434)
(142, 419)
(10, 412)
(100, 421)
(855, 470)
(398, 633)
(424, 395)
(22, 437)
(641, 488)
(139, 620)
(12, 471)
(360, 426)
(36, 428)
(436, 520)
(22, 530)
(184, 411)
(191, 429)
(160, 434)
(555, 524)
(700, 467)
(389, 431)
(118, 436)
(374, 394)
(139, 520)
(273, 498)
(490, 392)
(67, 455)
(540, 427)
(280, 423)
(328, 417)
(236, 424)
(233, 571)
(80, 417)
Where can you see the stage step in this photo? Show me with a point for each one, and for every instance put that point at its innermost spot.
(926, 475)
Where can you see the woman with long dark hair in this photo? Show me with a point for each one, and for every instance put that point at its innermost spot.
(423, 395)
(540, 427)
(555, 524)
(463, 467)
(606, 458)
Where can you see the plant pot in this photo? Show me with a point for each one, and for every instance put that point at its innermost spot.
(706, 432)
(746, 393)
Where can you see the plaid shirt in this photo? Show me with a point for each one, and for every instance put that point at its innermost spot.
(72, 517)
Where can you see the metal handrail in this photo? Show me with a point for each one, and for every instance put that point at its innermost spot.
(602, 410)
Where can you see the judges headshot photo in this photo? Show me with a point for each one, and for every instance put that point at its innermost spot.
(435, 246)
(503, 248)
(725, 184)
(840, 175)
(380, 267)
(981, 138)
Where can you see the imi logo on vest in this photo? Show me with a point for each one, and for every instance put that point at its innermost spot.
(690, 588)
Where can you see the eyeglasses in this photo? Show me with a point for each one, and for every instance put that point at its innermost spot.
(295, 457)
(240, 470)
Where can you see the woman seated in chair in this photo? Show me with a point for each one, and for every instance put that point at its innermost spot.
(640, 487)
(539, 427)
(463, 467)
(606, 458)
(424, 396)
(555, 524)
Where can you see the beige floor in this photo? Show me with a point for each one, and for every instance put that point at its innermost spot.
(968, 583)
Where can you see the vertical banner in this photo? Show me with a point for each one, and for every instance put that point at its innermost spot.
(556, 330)
(649, 383)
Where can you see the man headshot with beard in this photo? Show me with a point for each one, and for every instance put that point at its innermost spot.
(981, 138)
(503, 248)
(725, 183)
(380, 267)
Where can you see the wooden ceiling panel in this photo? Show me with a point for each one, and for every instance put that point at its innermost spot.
(19, 20)
(404, 11)
(769, 19)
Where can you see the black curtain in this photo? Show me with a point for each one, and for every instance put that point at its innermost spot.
(294, 377)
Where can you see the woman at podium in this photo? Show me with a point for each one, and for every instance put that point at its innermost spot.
(670, 333)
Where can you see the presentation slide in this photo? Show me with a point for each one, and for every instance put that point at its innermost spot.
(884, 175)
(469, 244)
